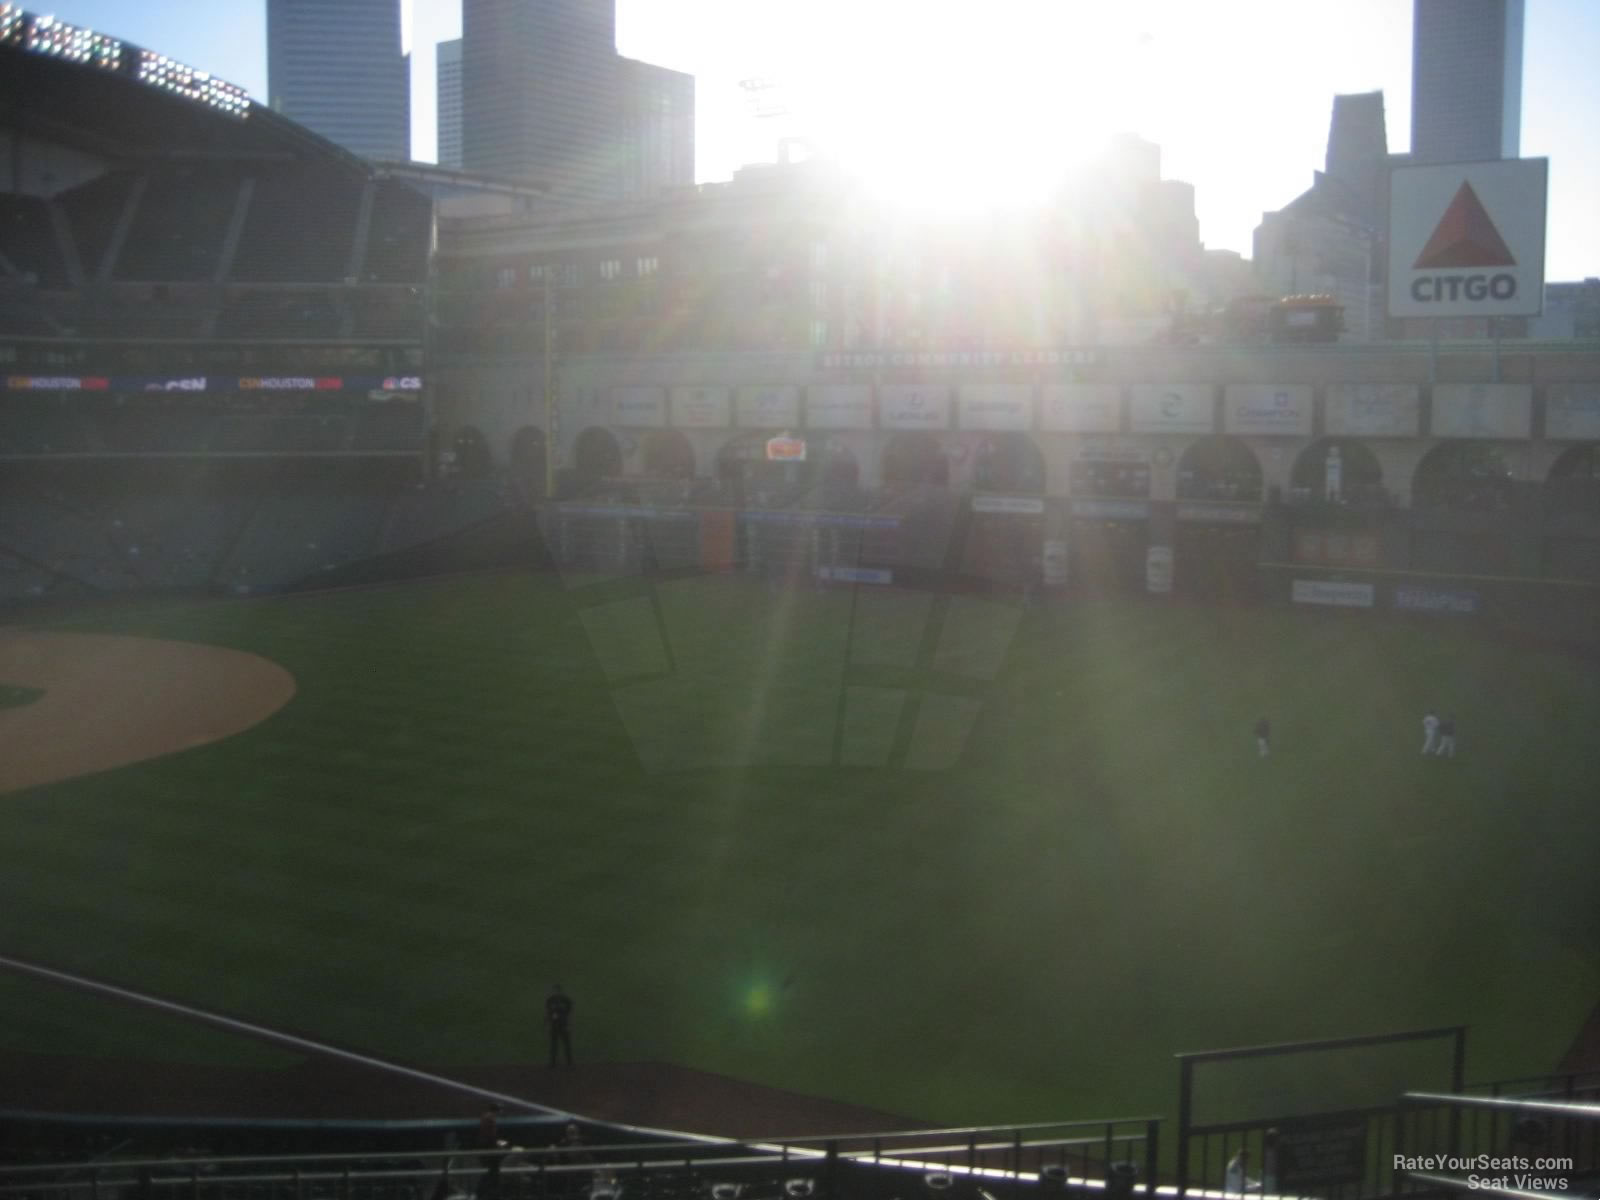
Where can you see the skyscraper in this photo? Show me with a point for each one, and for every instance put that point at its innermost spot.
(1466, 80)
(546, 97)
(338, 68)
(449, 93)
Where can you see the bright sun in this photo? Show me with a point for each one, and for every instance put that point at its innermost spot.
(940, 111)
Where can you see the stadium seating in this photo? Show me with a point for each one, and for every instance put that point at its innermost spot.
(300, 228)
(179, 226)
(399, 237)
(28, 240)
(92, 210)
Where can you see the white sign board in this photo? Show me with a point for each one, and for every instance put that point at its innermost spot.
(1572, 412)
(1482, 410)
(839, 406)
(1338, 595)
(639, 407)
(996, 407)
(914, 406)
(700, 407)
(1276, 410)
(768, 407)
(1171, 408)
(1467, 239)
(1080, 407)
(1373, 410)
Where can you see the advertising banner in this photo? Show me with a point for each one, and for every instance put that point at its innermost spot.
(1447, 601)
(1337, 548)
(1171, 408)
(839, 406)
(1482, 410)
(996, 407)
(1158, 570)
(1572, 412)
(639, 407)
(700, 407)
(1025, 505)
(1080, 408)
(1467, 239)
(1096, 508)
(914, 406)
(768, 407)
(1219, 513)
(1373, 410)
(1275, 410)
(1336, 595)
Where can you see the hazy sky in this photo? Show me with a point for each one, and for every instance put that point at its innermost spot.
(1237, 92)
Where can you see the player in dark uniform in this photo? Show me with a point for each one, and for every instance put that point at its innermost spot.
(558, 1016)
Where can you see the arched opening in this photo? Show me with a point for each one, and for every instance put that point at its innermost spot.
(1338, 471)
(1010, 463)
(667, 454)
(596, 457)
(1219, 468)
(528, 458)
(1467, 476)
(915, 459)
(1573, 484)
(472, 452)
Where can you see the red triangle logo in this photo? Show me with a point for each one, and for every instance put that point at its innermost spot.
(1466, 237)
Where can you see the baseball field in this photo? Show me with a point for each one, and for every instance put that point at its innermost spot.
(940, 855)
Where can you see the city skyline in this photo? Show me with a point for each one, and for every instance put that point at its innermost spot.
(1210, 89)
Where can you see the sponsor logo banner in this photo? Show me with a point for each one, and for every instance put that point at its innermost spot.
(1030, 505)
(914, 406)
(1572, 412)
(1482, 410)
(839, 406)
(768, 407)
(1158, 570)
(640, 407)
(1336, 595)
(1081, 407)
(1336, 548)
(1095, 508)
(786, 449)
(1219, 513)
(700, 407)
(1171, 408)
(957, 358)
(996, 407)
(1467, 239)
(1373, 410)
(879, 575)
(1452, 601)
(1282, 410)
(57, 383)
(291, 383)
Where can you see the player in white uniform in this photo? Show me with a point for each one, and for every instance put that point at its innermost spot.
(1430, 731)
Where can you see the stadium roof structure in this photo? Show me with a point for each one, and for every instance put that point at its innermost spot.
(75, 87)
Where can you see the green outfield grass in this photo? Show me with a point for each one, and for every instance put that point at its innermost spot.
(935, 855)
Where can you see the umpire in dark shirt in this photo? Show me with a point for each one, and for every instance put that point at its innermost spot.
(558, 1016)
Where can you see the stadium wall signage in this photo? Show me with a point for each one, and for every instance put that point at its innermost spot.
(1467, 239)
(839, 406)
(1276, 410)
(768, 407)
(914, 406)
(958, 358)
(1171, 408)
(1080, 408)
(1448, 601)
(1373, 410)
(1021, 505)
(1095, 508)
(1482, 410)
(1332, 594)
(1220, 514)
(1321, 1153)
(878, 575)
(1572, 412)
(201, 384)
(700, 407)
(639, 407)
(996, 407)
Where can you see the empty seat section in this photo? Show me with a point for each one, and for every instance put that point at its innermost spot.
(92, 211)
(300, 228)
(179, 227)
(29, 240)
(399, 235)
